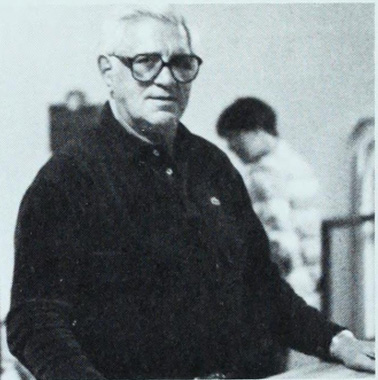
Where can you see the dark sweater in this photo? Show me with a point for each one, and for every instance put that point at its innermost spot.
(125, 269)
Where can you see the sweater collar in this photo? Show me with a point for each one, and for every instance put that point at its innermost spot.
(116, 134)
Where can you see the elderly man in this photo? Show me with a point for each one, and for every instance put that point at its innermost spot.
(137, 252)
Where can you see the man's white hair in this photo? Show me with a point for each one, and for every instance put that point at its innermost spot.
(113, 29)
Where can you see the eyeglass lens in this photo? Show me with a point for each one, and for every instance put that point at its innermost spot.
(184, 68)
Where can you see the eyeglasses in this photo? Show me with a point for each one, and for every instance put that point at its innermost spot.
(146, 67)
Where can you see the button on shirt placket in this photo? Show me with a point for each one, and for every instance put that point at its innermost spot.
(175, 175)
(161, 164)
(169, 171)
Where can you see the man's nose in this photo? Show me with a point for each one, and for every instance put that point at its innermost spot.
(165, 77)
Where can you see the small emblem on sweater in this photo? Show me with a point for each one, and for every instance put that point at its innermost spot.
(215, 201)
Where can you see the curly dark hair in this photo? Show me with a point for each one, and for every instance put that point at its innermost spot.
(247, 114)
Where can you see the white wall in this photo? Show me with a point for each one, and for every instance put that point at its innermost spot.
(313, 63)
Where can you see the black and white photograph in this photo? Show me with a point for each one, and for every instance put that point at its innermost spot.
(188, 190)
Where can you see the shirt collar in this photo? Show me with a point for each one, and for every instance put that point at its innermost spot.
(119, 136)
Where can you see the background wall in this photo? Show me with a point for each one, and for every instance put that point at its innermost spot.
(313, 62)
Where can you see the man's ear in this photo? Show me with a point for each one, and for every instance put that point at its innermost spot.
(105, 67)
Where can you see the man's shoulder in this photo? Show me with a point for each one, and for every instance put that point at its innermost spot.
(60, 168)
(297, 164)
(212, 161)
(85, 143)
(206, 150)
(70, 160)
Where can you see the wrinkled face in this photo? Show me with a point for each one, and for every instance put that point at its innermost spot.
(162, 101)
(249, 145)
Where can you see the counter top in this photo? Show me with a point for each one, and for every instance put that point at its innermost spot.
(323, 370)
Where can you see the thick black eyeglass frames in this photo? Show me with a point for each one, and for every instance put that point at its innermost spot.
(146, 67)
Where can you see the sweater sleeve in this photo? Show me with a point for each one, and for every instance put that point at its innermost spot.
(47, 255)
(297, 324)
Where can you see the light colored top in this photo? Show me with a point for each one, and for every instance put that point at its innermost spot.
(283, 192)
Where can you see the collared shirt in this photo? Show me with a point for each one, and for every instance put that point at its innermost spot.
(132, 263)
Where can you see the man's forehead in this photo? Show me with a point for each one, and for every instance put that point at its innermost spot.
(152, 35)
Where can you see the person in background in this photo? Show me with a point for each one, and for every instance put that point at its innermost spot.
(138, 254)
(283, 191)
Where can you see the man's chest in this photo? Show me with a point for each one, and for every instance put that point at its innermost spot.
(158, 201)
